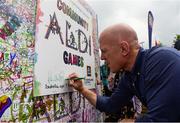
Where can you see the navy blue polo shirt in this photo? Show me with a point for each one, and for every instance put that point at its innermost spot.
(155, 80)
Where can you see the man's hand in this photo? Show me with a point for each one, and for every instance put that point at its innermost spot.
(76, 84)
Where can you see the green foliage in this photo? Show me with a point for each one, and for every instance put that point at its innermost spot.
(177, 42)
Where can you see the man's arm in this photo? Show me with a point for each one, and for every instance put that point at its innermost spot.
(78, 85)
(111, 104)
(89, 95)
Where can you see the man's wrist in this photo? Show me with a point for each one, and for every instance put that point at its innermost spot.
(82, 90)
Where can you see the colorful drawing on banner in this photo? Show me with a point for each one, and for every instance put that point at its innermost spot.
(64, 44)
(68, 107)
(42, 109)
(61, 106)
(5, 102)
(17, 38)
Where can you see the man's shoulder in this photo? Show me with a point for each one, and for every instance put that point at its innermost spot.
(162, 51)
(161, 57)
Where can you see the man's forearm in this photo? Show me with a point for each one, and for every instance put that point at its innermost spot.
(89, 95)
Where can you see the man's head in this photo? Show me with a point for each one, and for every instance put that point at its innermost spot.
(119, 47)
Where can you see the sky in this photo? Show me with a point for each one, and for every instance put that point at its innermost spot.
(134, 13)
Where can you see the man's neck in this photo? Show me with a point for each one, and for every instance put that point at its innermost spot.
(132, 60)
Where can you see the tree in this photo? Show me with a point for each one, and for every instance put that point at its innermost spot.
(177, 42)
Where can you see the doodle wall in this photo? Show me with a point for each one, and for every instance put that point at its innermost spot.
(17, 60)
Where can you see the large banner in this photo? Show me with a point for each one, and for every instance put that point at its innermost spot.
(64, 44)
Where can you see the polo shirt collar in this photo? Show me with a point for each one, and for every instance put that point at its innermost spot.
(138, 63)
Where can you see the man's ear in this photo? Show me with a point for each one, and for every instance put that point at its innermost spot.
(124, 48)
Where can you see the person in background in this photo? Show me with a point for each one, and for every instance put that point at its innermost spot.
(111, 81)
(129, 110)
(104, 72)
(152, 75)
(137, 106)
(111, 117)
(98, 84)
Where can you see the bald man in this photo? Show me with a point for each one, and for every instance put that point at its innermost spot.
(152, 75)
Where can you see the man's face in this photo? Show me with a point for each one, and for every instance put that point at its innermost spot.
(111, 53)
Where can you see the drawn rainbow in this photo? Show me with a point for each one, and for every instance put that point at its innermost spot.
(5, 102)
